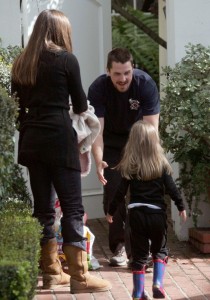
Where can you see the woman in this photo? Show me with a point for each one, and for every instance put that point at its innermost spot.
(44, 76)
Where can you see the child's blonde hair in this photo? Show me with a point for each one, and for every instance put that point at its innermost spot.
(143, 155)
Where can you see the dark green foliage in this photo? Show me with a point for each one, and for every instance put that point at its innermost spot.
(145, 51)
(19, 251)
(12, 184)
(185, 125)
(15, 281)
(8, 110)
(4, 76)
(7, 56)
(9, 53)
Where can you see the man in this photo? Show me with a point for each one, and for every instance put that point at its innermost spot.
(120, 98)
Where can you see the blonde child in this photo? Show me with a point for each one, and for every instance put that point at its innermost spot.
(145, 169)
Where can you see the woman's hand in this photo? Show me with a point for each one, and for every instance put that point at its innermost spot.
(109, 218)
(183, 215)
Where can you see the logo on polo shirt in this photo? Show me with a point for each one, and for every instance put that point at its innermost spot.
(134, 104)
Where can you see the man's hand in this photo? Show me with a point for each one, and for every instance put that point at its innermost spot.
(100, 172)
(153, 119)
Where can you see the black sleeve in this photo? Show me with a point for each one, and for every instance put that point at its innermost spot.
(119, 196)
(173, 191)
(78, 97)
(150, 98)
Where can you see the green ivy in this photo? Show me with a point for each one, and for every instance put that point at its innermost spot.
(185, 125)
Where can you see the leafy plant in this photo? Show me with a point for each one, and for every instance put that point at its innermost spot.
(7, 56)
(15, 280)
(185, 126)
(12, 183)
(145, 51)
(20, 235)
(8, 110)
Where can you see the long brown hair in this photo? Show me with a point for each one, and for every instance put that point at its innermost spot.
(143, 155)
(52, 31)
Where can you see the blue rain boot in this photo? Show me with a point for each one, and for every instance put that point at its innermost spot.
(158, 274)
(138, 285)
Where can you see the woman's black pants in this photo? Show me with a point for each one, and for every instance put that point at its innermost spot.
(67, 184)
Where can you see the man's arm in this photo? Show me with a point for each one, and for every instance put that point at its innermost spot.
(97, 151)
(153, 119)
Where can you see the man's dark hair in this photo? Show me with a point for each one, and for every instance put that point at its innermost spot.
(119, 55)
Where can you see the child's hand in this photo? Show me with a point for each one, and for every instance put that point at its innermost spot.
(183, 215)
(109, 218)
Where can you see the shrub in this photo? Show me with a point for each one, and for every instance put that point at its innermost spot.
(7, 56)
(20, 244)
(185, 126)
(12, 183)
(15, 281)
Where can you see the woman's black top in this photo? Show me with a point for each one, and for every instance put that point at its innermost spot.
(46, 132)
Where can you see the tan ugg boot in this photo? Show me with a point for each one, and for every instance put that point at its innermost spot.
(81, 280)
(53, 275)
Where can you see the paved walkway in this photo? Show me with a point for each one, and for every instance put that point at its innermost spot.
(187, 274)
